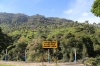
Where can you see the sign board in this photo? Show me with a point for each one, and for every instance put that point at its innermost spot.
(49, 44)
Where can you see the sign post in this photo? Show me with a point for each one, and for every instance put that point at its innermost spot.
(25, 55)
(56, 56)
(48, 56)
(42, 57)
(50, 44)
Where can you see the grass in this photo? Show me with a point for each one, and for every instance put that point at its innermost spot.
(5, 65)
(56, 65)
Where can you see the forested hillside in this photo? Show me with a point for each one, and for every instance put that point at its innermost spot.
(19, 32)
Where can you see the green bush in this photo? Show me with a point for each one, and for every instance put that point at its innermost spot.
(98, 60)
(90, 62)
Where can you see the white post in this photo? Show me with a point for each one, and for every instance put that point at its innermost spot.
(75, 55)
(6, 55)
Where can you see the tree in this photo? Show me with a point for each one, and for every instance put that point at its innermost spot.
(17, 52)
(5, 41)
(96, 8)
(34, 50)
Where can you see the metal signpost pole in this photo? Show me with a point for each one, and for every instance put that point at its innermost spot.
(56, 56)
(48, 56)
(50, 44)
(42, 57)
(25, 55)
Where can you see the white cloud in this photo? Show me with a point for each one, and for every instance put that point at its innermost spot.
(81, 11)
(85, 14)
(76, 7)
(91, 19)
(68, 11)
(52, 10)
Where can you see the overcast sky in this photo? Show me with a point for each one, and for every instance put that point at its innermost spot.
(77, 10)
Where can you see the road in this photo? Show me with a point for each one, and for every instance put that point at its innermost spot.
(39, 63)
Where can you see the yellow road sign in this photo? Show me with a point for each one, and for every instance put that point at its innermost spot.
(49, 44)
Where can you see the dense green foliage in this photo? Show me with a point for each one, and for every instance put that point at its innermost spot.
(96, 8)
(91, 62)
(28, 32)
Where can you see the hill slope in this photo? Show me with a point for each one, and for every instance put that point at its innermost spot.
(28, 32)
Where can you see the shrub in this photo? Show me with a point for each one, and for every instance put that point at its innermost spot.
(90, 62)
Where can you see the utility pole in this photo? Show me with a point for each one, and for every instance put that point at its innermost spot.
(75, 55)
(6, 55)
